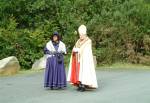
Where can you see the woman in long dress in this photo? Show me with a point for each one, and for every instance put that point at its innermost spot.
(81, 68)
(55, 76)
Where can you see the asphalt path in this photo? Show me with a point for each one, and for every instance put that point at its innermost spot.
(128, 86)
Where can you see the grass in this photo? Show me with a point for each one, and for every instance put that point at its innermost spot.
(23, 72)
(29, 71)
(123, 66)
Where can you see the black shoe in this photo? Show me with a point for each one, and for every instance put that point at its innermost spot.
(79, 88)
(82, 89)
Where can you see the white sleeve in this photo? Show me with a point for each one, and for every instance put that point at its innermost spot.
(48, 46)
(62, 48)
(65, 51)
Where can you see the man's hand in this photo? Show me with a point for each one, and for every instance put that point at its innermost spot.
(76, 50)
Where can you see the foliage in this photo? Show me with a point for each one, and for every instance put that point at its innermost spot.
(119, 29)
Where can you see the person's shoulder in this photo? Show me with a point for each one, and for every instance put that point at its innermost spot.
(61, 43)
(77, 41)
(89, 40)
(49, 42)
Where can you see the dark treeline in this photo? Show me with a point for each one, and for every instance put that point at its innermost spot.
(119, 29)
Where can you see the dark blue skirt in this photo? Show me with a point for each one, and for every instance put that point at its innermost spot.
(55, 76)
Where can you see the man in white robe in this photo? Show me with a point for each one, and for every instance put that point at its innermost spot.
(81, 68)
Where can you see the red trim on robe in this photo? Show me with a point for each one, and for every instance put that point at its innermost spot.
(75, 67)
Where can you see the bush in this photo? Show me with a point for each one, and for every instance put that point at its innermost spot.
(119, 29)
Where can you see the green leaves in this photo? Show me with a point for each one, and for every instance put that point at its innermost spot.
(113, 25)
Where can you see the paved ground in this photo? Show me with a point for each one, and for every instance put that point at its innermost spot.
(114, 87)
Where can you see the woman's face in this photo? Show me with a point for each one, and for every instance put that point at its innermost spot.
(55, 38)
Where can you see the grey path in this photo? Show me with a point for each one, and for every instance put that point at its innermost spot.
(114, 87)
